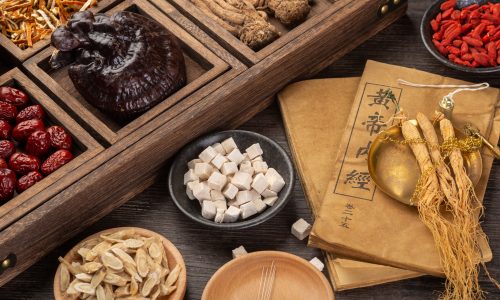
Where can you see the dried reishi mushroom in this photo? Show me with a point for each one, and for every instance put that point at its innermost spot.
(124, 64)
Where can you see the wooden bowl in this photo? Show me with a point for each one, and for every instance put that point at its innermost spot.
(274, 155)
(173, 255)
(295, 279)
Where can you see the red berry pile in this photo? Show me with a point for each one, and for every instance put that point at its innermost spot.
(469, 37)
(22, 127)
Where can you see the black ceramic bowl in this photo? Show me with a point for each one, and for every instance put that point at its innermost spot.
(274, 155)
(426, 33)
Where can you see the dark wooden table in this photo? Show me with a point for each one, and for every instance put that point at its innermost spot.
(205, 250)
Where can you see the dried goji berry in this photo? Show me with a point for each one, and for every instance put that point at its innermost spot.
(434, 25)
(481, 59)
(448, 4)
(472, 41)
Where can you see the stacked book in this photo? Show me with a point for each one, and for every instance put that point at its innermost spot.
(369, 238)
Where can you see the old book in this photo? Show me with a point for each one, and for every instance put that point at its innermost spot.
(359, 221)
(315, 114)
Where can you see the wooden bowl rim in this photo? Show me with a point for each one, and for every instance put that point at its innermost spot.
(181, 282)
(260, 254)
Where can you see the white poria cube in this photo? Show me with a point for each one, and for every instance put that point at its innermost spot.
(218, 147)
(235, 156)
(246, 166)
(232, 214)
(216, 195)
(260, 166)
(242, 180)
(208, 210)
(268, 194)
(260, 205)
(243, 197)
(219, 160)
(270, 201)
(276, 182)
(248, 209)
(254, 151)
(219, 216)
(254, 195)
(246, 158)
(317, 263)
(208, 154)
(229, 168)
(301, 229)
(189, 189)
(190, 176)
(220, 204)
(258, 158)
(232, 203)
(194, 162)
(217, 181)
(240, 251)
(230, 191)
(201, 191)
(229, 145)
(260, 183)
(203, 170)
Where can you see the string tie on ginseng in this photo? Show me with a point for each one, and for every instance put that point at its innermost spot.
(447, 104)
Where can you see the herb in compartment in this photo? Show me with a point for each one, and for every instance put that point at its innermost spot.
(27, 148)
(123, 64)
(26, 22)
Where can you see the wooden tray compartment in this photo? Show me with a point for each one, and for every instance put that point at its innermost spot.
(126, 167)
(85, 148)
(320, 9)
(202, 66)
(21, 55)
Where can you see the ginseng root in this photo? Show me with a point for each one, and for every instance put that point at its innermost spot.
(462, 281)
(289, 12)
(241, 19)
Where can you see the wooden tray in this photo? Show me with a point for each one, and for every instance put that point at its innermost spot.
(21, 55)
(132, 161)
(85, 148)
(202, 67)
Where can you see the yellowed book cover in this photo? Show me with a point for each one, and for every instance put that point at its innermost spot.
(315, 114)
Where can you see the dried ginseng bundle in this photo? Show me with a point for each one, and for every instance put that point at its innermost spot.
(119, 265)
(123, 64)
(447, 205)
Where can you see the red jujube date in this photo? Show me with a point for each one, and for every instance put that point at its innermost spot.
(38, 143)
(23, 163)
(28, 181)
(13, 96)
(30, 113)
(7, 184)
(23, 130)
(55, 161)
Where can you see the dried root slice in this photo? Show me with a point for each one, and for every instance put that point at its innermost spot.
(124, 265)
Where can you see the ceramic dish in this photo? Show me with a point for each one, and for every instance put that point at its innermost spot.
(394, 168)
(274, 155)
(426, 34)
(173, 255)
(295, 279)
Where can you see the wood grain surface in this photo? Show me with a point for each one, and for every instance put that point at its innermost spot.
(205, 250)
